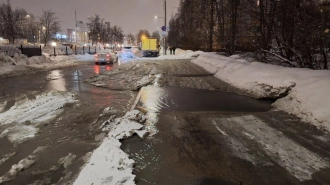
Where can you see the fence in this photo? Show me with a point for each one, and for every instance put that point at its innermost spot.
(67, 50)
(29, 51)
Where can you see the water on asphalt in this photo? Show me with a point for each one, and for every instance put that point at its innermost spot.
(73, 132)
(169, 99)
(156, 157)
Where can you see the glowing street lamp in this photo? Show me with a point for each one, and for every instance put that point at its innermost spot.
(156, 17)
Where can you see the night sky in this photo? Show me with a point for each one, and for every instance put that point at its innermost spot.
(131, 15)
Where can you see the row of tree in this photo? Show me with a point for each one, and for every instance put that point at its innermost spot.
(100, 32)
(18, 24)
(295, 29)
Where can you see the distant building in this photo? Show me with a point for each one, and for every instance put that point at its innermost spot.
(82, 32)
(71, 35)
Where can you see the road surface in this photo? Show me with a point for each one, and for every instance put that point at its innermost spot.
(204, 131)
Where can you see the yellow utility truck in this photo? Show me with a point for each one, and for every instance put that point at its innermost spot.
(150, 47)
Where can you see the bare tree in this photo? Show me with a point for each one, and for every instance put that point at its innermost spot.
(131, 38)
(117, 34)
(95, 27)
(141, 34)
(11, 21)
(156, 35)
(49, 25)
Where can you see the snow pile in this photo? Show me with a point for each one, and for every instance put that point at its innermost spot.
(306, 92)
(21, 64)
(4, 59)
(108, 163)
(26, 115)
(179, 54)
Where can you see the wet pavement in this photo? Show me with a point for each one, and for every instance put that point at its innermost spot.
(72, 134)
(209, 134)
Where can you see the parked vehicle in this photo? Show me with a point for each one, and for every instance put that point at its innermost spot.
(149, 47)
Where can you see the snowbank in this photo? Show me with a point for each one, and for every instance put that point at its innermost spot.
(108, 163)
(21, 64)
(179, 54)
(302, 92)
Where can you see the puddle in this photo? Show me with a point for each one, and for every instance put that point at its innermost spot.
(168, 157)
(167, 99)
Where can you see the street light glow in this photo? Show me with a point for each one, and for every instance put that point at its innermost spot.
(54, 44)
(156, 17)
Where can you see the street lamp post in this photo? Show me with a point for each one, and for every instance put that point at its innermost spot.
(164, 37)
(54, 44)
(164, 47)
(165, 24)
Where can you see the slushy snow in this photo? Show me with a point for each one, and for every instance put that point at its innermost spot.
(26, 115)
(108, 163)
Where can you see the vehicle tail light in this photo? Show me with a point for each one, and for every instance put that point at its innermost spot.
(108, 55)
(96, 55)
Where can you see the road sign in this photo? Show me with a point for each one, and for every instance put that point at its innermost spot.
(163, 33)
(163, 28)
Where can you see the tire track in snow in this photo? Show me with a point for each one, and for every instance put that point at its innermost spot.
(296, 159)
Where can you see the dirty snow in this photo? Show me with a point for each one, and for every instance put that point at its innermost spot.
(21, 165)
(21, 64)
(7, 157)
(295, 158)
(108, 163)
(306, 92)
(26, 115)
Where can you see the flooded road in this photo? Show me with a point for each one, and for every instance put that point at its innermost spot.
(202, 130)
(209, 134)
(65, 140)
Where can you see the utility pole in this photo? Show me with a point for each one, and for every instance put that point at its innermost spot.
(165, 26)
(75, 28)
